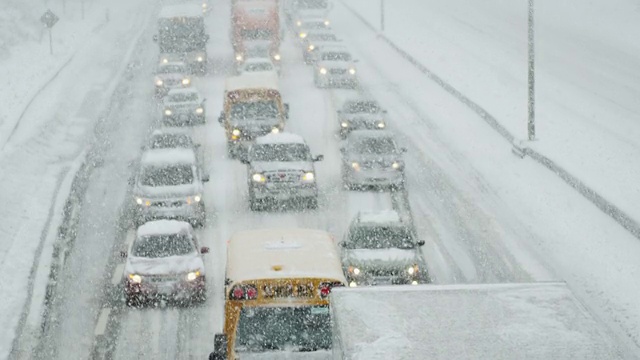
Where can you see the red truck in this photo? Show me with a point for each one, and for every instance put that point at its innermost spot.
(255, 29)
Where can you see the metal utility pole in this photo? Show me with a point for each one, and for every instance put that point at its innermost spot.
(381, 15)
(531, 125)
(49, 19)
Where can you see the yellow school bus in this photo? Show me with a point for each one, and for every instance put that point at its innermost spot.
(278, 283)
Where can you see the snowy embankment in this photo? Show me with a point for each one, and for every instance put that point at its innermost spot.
(54, 103)
(586, 86)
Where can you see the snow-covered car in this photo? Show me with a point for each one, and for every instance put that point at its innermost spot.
(183, 107)
(372, 158)
(164, 261)
(169, 185)
(258, 49)
(314, 41)
(171, 75)
(379, 248)
(304, 25)
(170, 138)
(335, 67)
(258, 65)
(360, 113)
(280, 168)
(195, 61)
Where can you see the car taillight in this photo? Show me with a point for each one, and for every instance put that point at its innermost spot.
(246, 292)
(325, 288)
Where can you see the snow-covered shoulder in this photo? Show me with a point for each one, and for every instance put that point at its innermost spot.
(280, 138)
(163, 227)
(482, 321)
(168, 156)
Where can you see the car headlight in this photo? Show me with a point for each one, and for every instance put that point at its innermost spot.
(193, 275)
(344, 124)
(135, 278)
(186, 81)
(235, 132)
(165, 60)
(352, 71)
(327, 23)
(168, 112)
(259, 178)
(355, 166)
(200, 59)
(308, 176)
(396, 165)
(199, 110)
(159, 82)
(311, 47)
(238, 57)
(323, 71)
(353, 284)
(381, 125)
(276, 57)
(139, 201)
(354, 270)
(197, 198)
(412, 270)
(299, 23)
(275, 130)
(303, 35)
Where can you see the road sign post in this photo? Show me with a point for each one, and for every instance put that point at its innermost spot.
(49, 19)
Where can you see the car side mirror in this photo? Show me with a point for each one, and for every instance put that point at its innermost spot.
(286, 111)
(206, 37)
(123, 254)
(204, 250)
(155, 38)
(421, 243)
(205, 178)
(245, 161)
(318, 158)
(221, 117)
(219, 347)
(342, 244)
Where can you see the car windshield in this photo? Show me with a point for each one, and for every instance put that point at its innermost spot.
(315, 24)
(171, 69)
(163, 245)
(355, 107)
(167, 175)
(321, 37)
(257, 67)
(280, 152)
(301, 329)
(312, 4)
(170, 141)
(374, 145)
(183, 97)
(256, 34)
(255, 110)
(336, 56)
(380, 237)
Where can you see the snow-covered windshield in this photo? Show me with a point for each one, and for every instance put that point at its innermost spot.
(183, 97)
(374, 145)
(255, 110)
(163, 245)
(380, 237)
(256, 34)
(336, 56)
(170, 141)
(321, 37)
(167, 175)
(171, 69)
(301, 329)
(280, 152)
(257, 67)
(355, 107)
(312, 4)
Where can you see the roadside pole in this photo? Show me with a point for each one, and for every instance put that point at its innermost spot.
(531, 125)
(381, 15)
(49, 19)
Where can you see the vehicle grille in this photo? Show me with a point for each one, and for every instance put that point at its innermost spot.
(283, 177)
(155, 279)
(168, 203)
(337, 71)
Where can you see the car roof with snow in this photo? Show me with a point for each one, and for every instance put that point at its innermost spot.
(474, 321)
(255, 80)
(181, 10)
(172, 63)
(282, 253)
(160, 157)
(280, 138)
(258, 60)
(163, 227)
(379, 217)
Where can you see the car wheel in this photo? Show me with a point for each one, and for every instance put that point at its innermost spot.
(312, 203)
(134, 301)
(255, 205)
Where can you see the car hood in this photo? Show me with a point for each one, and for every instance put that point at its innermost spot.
(374, 158)
(164, 266)
(167, 192)
(363, 117)
(182, 103)
(170, 76)
(254, 124)
(287, 355)
(336, 64)
(266, 166)
(381, 258)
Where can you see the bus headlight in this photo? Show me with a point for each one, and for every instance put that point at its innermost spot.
(186, 81)
(352, 71)
(259, 178)
(308, 176)
(135, 278)
(323, 71)
(193, 275)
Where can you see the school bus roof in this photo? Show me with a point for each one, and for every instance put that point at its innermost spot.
(281, 254)
(252, 81)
